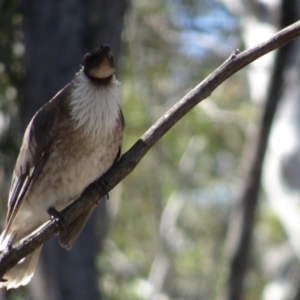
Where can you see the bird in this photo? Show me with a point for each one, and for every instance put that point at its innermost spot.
(70, 142)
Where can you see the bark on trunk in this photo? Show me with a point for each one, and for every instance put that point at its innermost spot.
(245, 214)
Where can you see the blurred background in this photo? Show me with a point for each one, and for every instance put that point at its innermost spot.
(213, 210)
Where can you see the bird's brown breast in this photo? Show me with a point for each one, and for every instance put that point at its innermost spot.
(75, 161)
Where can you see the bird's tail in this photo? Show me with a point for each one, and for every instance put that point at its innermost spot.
(22, 272)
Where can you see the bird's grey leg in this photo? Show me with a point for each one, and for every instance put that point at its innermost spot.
(57, 217)
(101, 186)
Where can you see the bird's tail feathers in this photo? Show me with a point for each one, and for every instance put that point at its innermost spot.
(22, 272)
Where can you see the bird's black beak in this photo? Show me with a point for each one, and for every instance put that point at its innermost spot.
(99, 64)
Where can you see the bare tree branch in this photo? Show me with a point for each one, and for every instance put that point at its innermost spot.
(132, 157)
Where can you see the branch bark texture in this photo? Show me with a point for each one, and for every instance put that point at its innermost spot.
(132, 157)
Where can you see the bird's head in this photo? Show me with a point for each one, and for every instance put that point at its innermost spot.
(99, 64)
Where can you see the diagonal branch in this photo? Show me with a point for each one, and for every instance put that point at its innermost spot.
(132, 157)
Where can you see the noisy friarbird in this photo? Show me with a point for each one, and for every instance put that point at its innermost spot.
(69, 143)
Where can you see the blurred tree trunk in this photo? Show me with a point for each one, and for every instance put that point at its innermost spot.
(282, 168)
(244, 217)
(57, 34)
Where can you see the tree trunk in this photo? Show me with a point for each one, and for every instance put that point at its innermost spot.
(244, 218)
(57, 34)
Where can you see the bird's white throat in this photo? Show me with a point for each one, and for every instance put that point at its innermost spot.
(94, 107)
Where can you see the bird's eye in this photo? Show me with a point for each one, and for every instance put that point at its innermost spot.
(87, 58)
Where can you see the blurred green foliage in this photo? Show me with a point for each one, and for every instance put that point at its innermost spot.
(11, 84)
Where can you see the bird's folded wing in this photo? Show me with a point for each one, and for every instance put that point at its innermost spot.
(32, 158)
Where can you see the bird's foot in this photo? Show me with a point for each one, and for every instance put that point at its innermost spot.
(57, 217)
(101, 186)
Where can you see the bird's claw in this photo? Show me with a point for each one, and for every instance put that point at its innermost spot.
(102, 187)
(57, 217)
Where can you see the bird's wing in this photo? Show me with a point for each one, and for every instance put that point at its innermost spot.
(32, 158)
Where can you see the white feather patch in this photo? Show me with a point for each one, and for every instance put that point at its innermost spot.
(95, 108)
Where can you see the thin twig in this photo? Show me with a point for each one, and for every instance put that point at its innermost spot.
(132, 157)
